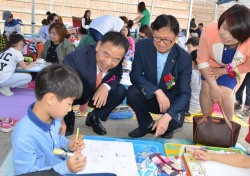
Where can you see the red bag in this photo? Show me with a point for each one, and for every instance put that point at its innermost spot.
(248, 135)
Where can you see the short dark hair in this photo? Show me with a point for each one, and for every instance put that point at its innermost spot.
(146, 30)
(130, 23)
(59, 79)
(117, 39)
(166, 21)
(124, 19)
(200, 24)
(193, 41)
(194, 56)
(141, 7)
(44, 22)
(237, 19)
(60, 29)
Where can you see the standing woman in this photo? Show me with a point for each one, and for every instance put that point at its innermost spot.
(58, 46)
(144, 16)
(222, 55)
(44, 31)
(85, 22)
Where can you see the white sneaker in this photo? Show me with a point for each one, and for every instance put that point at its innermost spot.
(6, 91)
(248, 150)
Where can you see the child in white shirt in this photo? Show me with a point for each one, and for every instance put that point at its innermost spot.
(8, 62)
(194, 106)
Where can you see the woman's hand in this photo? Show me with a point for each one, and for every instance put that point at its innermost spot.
(216, 72)
(216, 94)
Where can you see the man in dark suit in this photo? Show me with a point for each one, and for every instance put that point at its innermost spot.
(100, 69)
(161, 74)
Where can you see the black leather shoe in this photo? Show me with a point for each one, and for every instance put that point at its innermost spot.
(95, 123)
(187, 114)
(168, 135)
(140, 133)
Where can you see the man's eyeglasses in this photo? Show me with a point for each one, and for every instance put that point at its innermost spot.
(166, 41)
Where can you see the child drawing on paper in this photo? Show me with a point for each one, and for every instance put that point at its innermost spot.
(237, 160)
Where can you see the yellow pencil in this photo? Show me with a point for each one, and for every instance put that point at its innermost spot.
(77, 133)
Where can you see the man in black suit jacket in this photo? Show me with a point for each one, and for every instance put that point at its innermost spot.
(105, 57)
(161, 74)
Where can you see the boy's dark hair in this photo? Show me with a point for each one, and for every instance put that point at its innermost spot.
(14, 39)
(200, 24)
(44, 22)
(130, 24)
(194, 41)
(194, 56)
(59, 79)
(238, 23)
(117, 39)
(168, 21)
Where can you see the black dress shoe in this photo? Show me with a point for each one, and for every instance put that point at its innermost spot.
(187, 114)
(95, 123)
(140, 133)
(168, 135)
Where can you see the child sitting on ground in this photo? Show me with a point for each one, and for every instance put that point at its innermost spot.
(37, 134)
(194, 104)
(8, 62)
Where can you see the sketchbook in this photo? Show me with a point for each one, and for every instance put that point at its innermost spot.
(109, 157)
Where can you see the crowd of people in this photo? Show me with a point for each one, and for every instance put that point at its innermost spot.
(166, 79)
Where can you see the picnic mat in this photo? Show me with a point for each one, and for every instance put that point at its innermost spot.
(235, 119)
(16, 106)
(188, 119)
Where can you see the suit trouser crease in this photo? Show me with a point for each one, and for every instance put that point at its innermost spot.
(113, 100)
(142, 107)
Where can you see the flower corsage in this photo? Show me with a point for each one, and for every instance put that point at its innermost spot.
(232, 73)
(111, 79)
(169, 80)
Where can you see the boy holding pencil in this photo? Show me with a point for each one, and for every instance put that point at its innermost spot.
(37, 133)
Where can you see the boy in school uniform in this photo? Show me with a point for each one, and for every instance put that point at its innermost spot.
(37, 134)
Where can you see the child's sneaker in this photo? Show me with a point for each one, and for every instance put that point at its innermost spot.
(12, 121)
(2, 119)
(244, 114)
(237, 107)
(6, 91)
(5, 125)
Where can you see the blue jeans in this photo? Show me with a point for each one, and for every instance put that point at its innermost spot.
(96, 35)
(239, 93)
